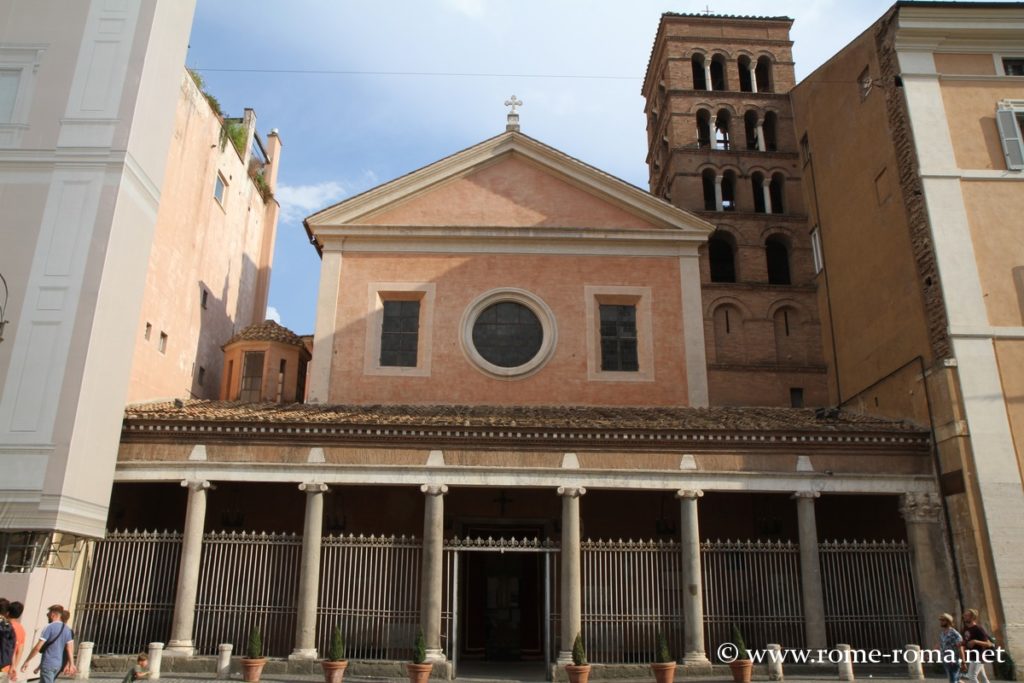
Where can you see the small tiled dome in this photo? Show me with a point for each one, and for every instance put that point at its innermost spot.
(267, 331)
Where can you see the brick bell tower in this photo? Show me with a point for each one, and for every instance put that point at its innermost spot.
(721, 145)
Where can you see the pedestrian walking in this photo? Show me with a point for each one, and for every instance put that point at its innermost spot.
(976, 642)
(8, 640)
(951, 647)
(57, 645)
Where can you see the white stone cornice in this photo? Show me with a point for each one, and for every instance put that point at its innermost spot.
(643, 480)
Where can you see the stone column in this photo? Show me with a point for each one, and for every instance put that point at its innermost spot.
(929, 560)
(432, 583)
(718, 193)
(707, 74)
(571, 583)
(766, 190)
(762, 146)
(711, 133)
(753, 78)
(810, 571)
(309, 572)
(188, 570)
(693, 591)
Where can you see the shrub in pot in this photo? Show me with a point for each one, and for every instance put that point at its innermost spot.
(253, 661)
(334, 665)
(741, 666)
(579, 670)
(419, 668)
(664, 666)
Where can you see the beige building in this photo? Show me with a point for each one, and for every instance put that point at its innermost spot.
(910, 142)
(209, 268)
(109, 151)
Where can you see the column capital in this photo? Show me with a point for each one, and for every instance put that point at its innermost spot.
(197, 484)
(434, 489)
(689, 493)
(920, 508)
(571, 491)
(797, 495)
(766, 182)
(313, 487)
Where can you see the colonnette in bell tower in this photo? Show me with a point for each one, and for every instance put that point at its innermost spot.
(721, 144)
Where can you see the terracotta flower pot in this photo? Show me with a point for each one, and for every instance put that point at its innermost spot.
(418, 673)
(578, 674)
(334, 672)
(741, 669)
(664, 672)
(252, 669)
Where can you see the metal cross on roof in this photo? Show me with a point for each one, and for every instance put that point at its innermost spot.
(707, 10)
(513, 102)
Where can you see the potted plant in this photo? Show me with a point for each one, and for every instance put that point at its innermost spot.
(664, 666)
(419, 668)
(579, 670)
(741, 666)
(334, 665)
(253, 661)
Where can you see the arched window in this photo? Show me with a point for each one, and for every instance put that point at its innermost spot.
(703, 128)
(744, 65)
(777, 254)
(722, 257)
(697, 64)
(788, 346)
(777, 191)
(763, 74)
(718, 80)
(708, 182)
(750, 128)
(729, 191)
(722, 129)
(729, 345)
(757, 188)
(769, 129)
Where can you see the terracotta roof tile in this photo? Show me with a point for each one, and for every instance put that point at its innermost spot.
(725, 419)
(268, 331)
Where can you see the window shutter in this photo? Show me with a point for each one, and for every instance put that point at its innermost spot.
(1010, 134)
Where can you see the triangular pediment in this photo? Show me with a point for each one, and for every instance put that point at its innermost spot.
(509, 181)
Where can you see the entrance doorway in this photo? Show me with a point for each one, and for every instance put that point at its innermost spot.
(502, 606)
(503, 594)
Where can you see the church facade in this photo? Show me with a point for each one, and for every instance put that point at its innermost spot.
(507, 441)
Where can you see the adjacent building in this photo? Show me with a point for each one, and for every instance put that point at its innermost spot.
(911, 153)
(138, 235)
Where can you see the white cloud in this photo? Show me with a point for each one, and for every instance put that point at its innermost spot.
(273, 314)
(299, 201)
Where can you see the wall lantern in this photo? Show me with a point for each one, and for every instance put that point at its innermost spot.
(3, 306)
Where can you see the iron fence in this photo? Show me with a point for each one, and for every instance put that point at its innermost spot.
(631, 591)
(869, 594)
(754, 586)
(370, 587)
(128, 590)
(245, 580)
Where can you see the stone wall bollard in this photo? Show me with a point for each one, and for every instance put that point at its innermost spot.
(915, 669)
(224, 660)
(156, 657)
(774, 662)
(845, 663)
(84, 659)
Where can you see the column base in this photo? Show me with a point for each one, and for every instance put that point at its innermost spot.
(301, 654)
(696, 660)
(436, 656)
(564, 657)
(179, 648)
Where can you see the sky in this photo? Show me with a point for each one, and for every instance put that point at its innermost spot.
(425, 78)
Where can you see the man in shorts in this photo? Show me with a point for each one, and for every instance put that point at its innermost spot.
(54, 642)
